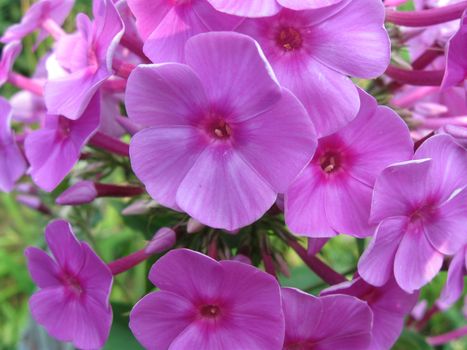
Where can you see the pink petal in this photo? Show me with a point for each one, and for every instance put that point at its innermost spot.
(158, 319)
(279, 163)
(188, 274)
(9, 54)
(330, 98)
(43, 270)
(149, 14)
(354, 41)
(66, 249)
(236, 76)
(456, 60)
(222, 191)
(304, 205)
(257, 8)
(448, 171)
(446, 230)
(160, 159)
(84, 322)
(416, 262)
(71, 95)
(302, 312)
(165, 94)
(306, 4)
(387, 327)
(452, 290)
(377, 262)
(376, 138)
(345, 324)
(347, 206)
(400, 188)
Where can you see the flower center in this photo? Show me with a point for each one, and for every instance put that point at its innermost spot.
(289, 39)
(422, 213)
(64, 127)
(221, 129)
(210, 311)
(73, 284)
(330, 162)
(300, 345)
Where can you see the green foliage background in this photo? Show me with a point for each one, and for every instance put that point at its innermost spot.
(113, 236)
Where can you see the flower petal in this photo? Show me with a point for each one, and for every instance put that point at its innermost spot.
(159, 318)
(362, 49)
(222, 191)
(236, 75)
(452, 290)
(164, 94)
(305, 204)
(299, 5)
(377, 262)
(416, 262)
(189, 274)
(278, 143)
(43, 270)
(161, 157)
(257, 8)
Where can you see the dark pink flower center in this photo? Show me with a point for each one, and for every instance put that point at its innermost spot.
(423, 213)
(300, 345)
(64, 127)
(289, 39)
(330, 162)
(220, 129)
(210, 311)
(72, 284)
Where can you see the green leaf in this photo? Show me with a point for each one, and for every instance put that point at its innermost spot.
(412, 341)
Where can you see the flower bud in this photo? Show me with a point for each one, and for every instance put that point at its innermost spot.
(82, 192)
(164, 239)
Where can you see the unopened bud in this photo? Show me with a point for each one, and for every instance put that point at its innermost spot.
(194, 226)
(164, 239)
(82, 192)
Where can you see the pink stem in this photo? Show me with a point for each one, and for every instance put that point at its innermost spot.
(414, 96)
(25, 83)
(122, 69)
(326, 273)
(111, 144)
(448, 337)
(427, 57)
(128, 262)
(416, 77)
(110, 190)
(53, 29)
(436, 123)
(428, 17)
(428, 315)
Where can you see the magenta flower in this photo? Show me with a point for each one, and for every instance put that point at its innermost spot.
(421, 206)
(312, 52)
(209, 305)
(12, 163)
(9, 54)
(333, 194)
(84, 60)
(223, 137)
(165, 26)
(36, 17)
(73, 301)
(265, 8)
(454, 286)
(389, 305)
(53, 150)
(456, 60)
(337, 322)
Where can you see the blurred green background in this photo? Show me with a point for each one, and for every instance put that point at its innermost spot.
(113, 236)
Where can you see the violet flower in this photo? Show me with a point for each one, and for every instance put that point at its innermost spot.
(223, 137)
(73, 301)
(336, 322)
(53, 150)
(210, 305)
(12, 163)
(165, 26)
(421, 206)
(312, 53)
(36, 18)
(83, 61)
(389, 304)
(333, 194)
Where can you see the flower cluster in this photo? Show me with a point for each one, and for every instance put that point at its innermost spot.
(253, 125)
